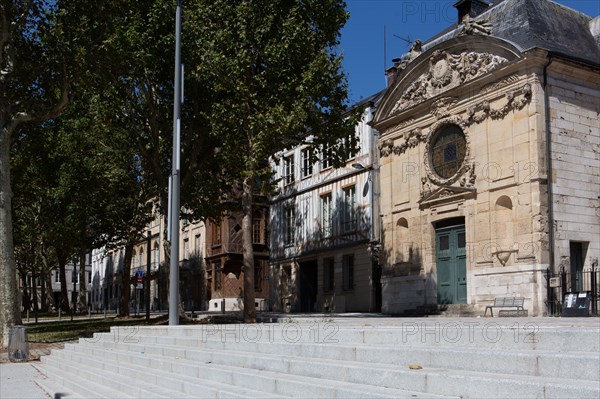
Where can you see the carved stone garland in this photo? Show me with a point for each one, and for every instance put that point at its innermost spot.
(480, 112)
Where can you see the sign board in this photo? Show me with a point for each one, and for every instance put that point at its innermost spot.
(577, 304)
(554, 282)
(139, 286)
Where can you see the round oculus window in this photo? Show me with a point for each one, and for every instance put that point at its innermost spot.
(447, 151)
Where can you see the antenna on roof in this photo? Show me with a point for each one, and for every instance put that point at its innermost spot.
(384, 54)
(407, 39)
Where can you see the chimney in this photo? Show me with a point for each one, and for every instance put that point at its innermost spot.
(472, 8)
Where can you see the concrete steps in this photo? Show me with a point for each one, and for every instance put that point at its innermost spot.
(469, 358)
(525, 362)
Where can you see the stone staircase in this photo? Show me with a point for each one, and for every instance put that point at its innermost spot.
(334, 358)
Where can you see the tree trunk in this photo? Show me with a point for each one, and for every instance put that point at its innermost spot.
(126, 281)
(25, 293)
(82, 282)
(10, 314)
(43, 301)
(34, 292)
(46, 275)
(248, 251)
(64, 295)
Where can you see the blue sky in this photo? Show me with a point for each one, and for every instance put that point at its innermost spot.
(362, 37)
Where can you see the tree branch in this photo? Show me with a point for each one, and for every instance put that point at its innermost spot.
(6, 62)
(55, 111)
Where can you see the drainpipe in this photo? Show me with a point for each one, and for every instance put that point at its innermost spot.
(375, 236)
(549, 164)
(372, 236)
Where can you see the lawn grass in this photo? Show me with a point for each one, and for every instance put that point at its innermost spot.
(65, 330)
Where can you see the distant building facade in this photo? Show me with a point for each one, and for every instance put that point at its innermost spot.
(490, 170)
(107, 270)
(322, 229)
(224, 262)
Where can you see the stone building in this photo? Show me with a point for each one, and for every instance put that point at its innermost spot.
(148, 253)
(490, 168)
(322, 228)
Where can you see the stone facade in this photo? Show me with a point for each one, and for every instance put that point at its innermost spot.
(465, 221)
(322, 230)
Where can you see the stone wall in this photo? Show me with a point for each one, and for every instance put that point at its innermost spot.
(575, 127)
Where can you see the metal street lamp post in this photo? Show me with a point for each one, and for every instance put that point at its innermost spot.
(174, 192)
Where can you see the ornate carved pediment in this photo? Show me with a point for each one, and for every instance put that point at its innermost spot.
(446, 194)
(445, 71)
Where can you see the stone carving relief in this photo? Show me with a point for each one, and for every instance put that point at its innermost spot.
(441, 108)
(426, 187)
(515, 100)
(472, 27)
(446, 71)
(414, 52)
(411, 140)
(540, 223)
(469, 177)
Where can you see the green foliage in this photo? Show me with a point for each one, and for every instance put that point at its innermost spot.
(274, 76)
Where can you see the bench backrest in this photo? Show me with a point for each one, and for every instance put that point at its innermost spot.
(509, 301)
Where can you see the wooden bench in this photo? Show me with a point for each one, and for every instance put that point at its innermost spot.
(506, 302)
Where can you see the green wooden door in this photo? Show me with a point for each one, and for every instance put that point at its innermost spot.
(451, 262)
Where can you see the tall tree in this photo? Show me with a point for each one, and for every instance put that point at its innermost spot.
(43, 54)
(140, 97)
(276, 82)
(29, 91)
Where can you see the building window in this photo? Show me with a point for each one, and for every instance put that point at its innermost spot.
(349, 215)
(141, 256)
(156, 254)
(351, 145)
(134, 260)
(326, 215)
(448, 150)
(326, 157)
(258, 276)
(197, 244)
(89, 274)
(307, 167)
(290, 225)
(216, 233)
(257, 231)
(348, 271)
(328, 276)
(288, 170)
(186, 248)
(56, 276)
(217, 269)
